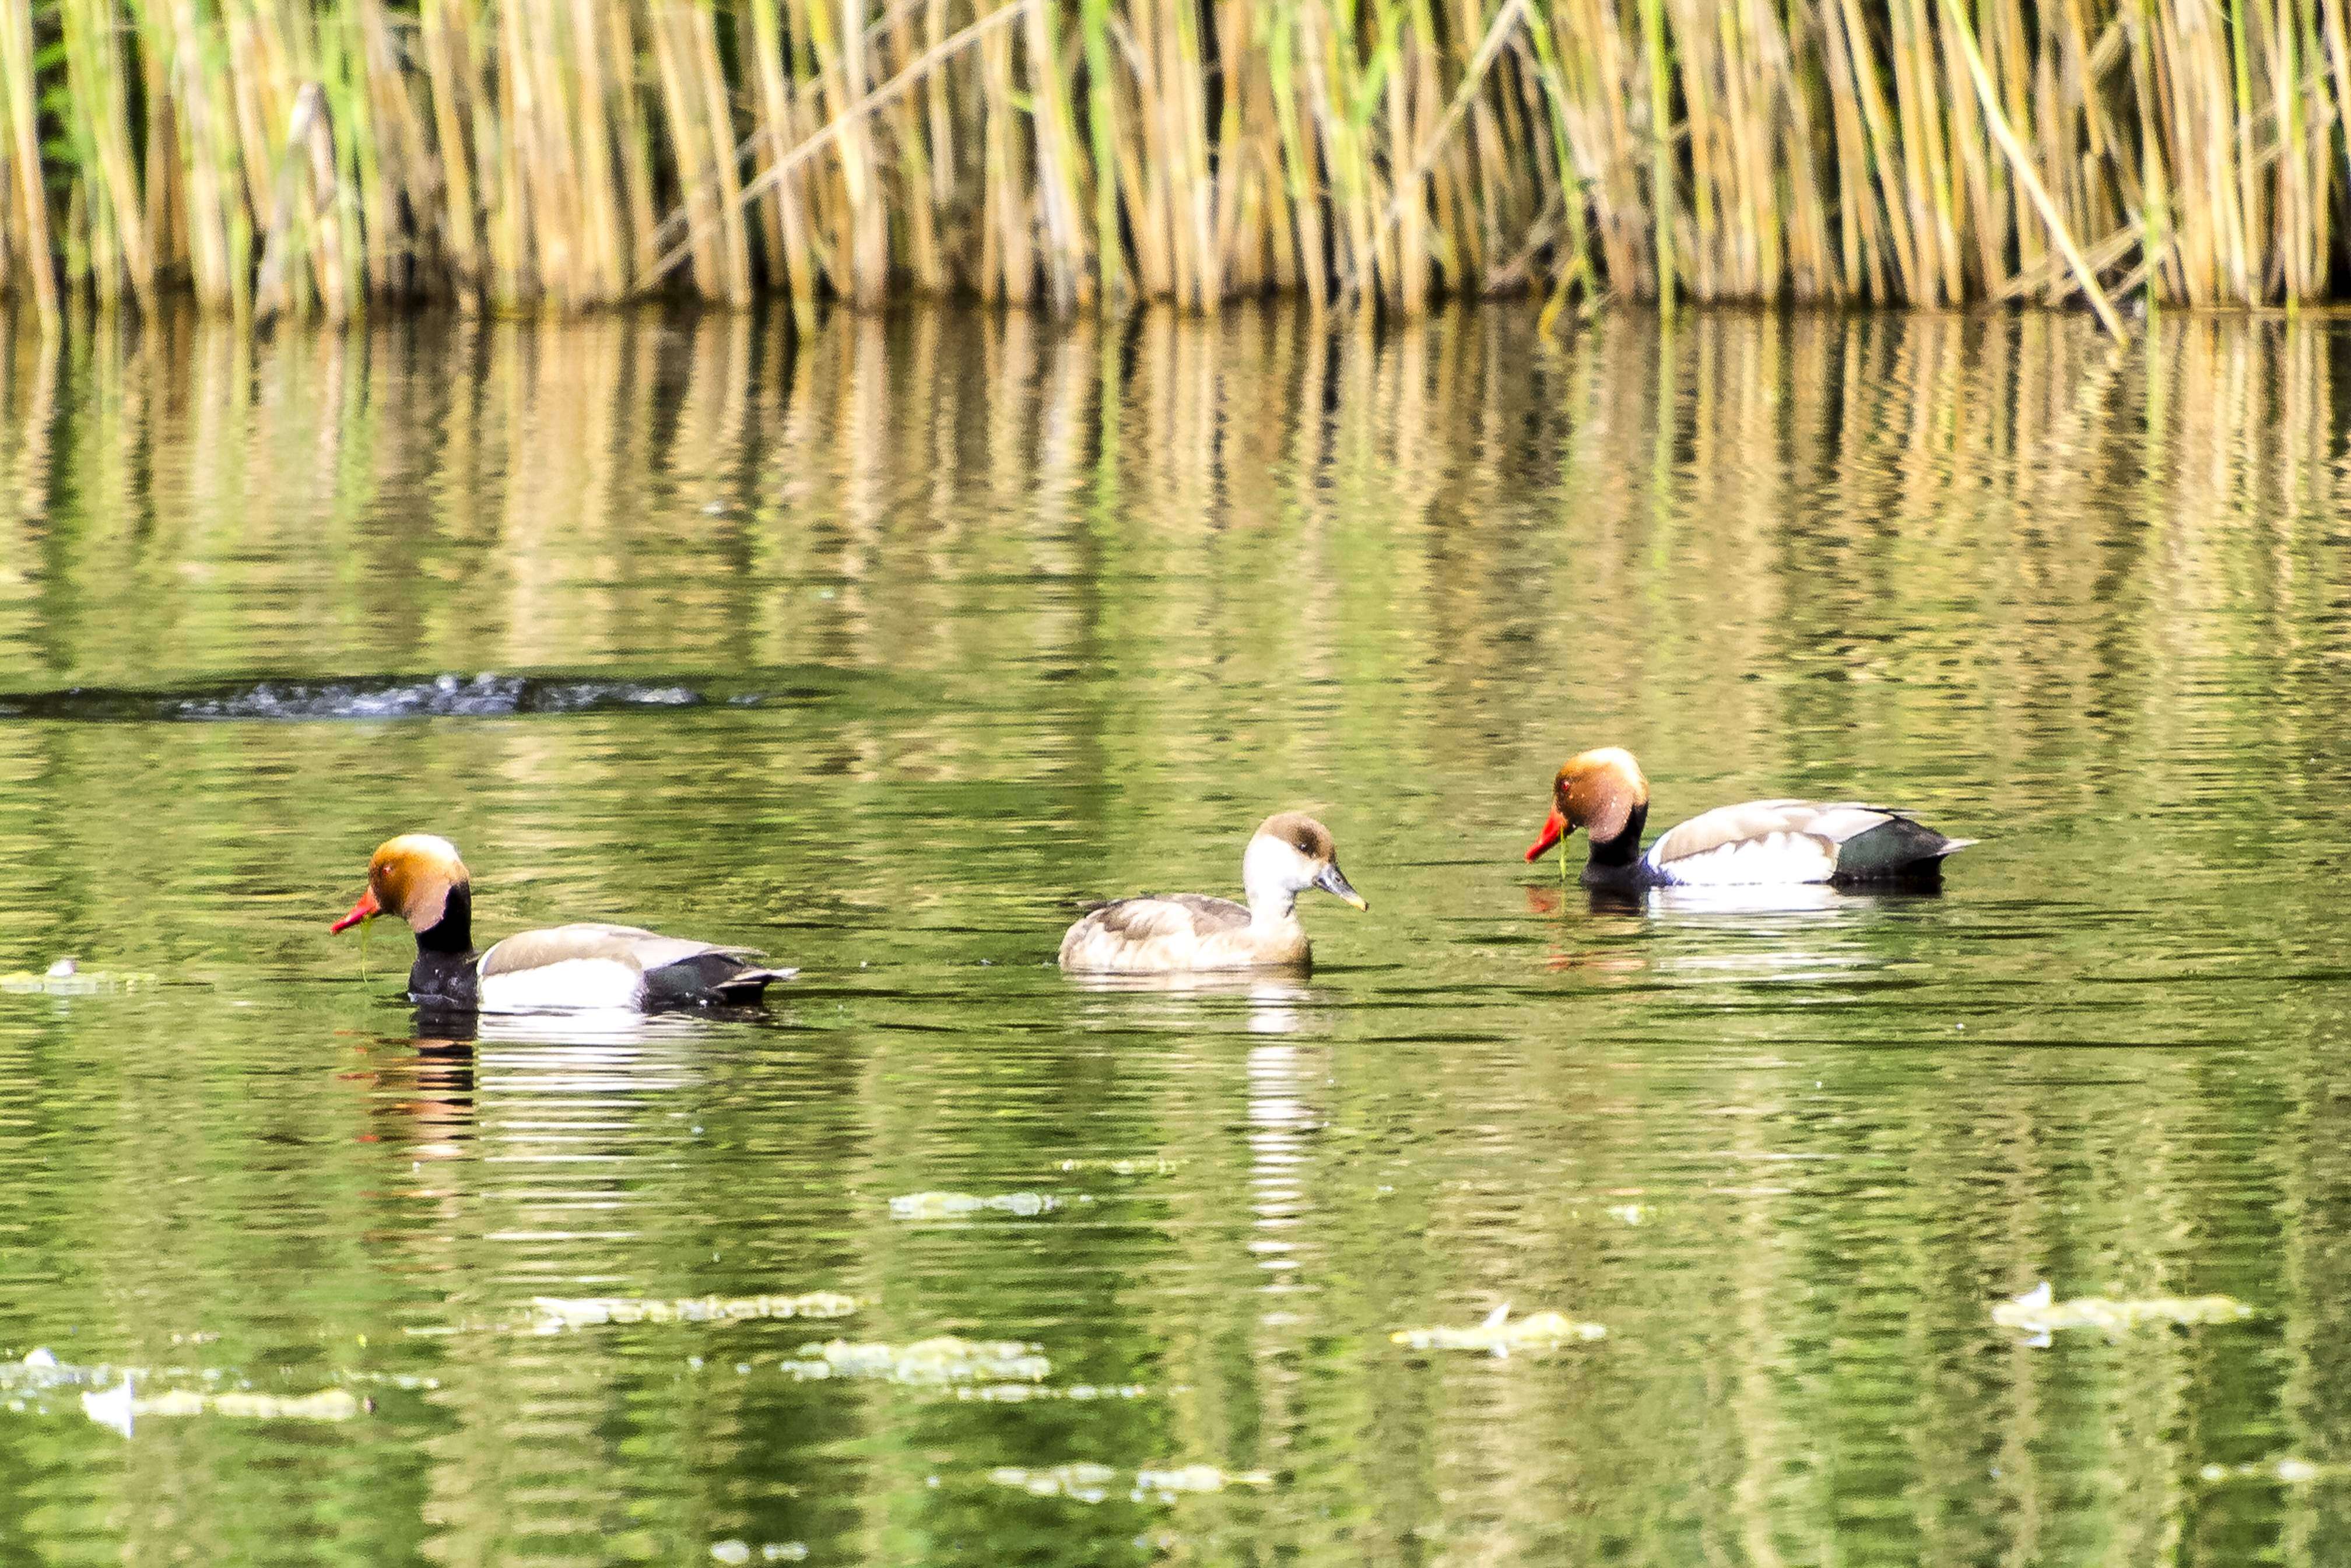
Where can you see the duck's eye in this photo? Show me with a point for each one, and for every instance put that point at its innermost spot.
(1305, 848)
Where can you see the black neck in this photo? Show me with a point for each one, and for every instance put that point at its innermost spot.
(1625, 847)
(454, 932)
(444, 972)
(444, 980)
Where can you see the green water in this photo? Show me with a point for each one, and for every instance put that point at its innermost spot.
(985, 619)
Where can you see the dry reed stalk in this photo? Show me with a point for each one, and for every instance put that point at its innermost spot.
(1810, 256)
(1405, 221)
(161, 199)
(309, 149)
(512, 152)
(1692, 44)
(915, 71)
(1007, 264)
(1328, 70)
(2006, 137)
(586, 124)
(1908, 242)
(18, 90)
(537, 168)
(862, 243)
(1233, 156)
(1661, 162)
(1103, 126)
(98, 122)
(450, 88)
(789, 262)
(710, 80)
(1857, 216)
(625, 111)
(1197, 178)
(1551, 83)
(410, 157)
(1405, 200)
(696, 162)
(1068, 276)
(917, 157)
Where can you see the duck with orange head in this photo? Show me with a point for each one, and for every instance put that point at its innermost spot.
(1758, 843)
(419, 879)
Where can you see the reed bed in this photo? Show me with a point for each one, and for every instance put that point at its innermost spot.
(317, 157)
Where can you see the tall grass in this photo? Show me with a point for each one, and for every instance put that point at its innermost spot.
(320, 156)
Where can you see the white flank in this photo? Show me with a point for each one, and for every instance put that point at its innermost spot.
(1772, 858)
(575, 983)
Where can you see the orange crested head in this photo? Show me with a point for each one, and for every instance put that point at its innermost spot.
(411, 876)
(1599, 791)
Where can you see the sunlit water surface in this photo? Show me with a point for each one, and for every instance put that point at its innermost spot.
(884, 648)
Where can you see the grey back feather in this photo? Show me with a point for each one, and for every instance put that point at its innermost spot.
(589, 940)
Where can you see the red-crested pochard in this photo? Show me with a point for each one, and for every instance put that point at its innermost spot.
(419, 879)
(1760, 842)
(1164, 932)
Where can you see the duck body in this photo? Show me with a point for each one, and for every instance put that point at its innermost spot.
(587, 966)
(1758, 844)
(1172, 933)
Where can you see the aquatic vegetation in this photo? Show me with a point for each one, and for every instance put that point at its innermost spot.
(2039, 1314)
(325, 1405)
(67, 978)
(1074, 154)
(1084, 1481)
(927, 1362)
(1124, 1166)
(963, 1205)
(109, 1395)
(41, 1372)
(1025, 1393)
(732, 1552)
(553, 1314)
(1501, 1334)
(2290, 1470)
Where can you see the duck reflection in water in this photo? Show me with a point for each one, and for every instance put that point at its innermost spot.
(1274, 997)
(1787, 898)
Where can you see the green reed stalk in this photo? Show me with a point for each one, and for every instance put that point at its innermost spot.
(1103, 126)
(1661, 161)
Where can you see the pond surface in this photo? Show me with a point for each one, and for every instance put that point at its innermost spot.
(884, 648)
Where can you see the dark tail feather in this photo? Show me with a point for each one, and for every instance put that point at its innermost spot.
(708, 977)
(751, 984)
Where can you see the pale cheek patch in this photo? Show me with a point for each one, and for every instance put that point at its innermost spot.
(428, 909)
(575, 983)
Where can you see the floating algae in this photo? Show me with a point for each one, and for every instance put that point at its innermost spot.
(108, 1395)
(772, 1551)
(553, 1314)
(2291, 1471)
(1022, 1393)
(1125, 1168)
(1501, 1334)
(2037, 1313)
(962, 1205)
(41, 1372)
(67, 978)
(1086, 1482)
(927, 1362)
(326, 1404)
